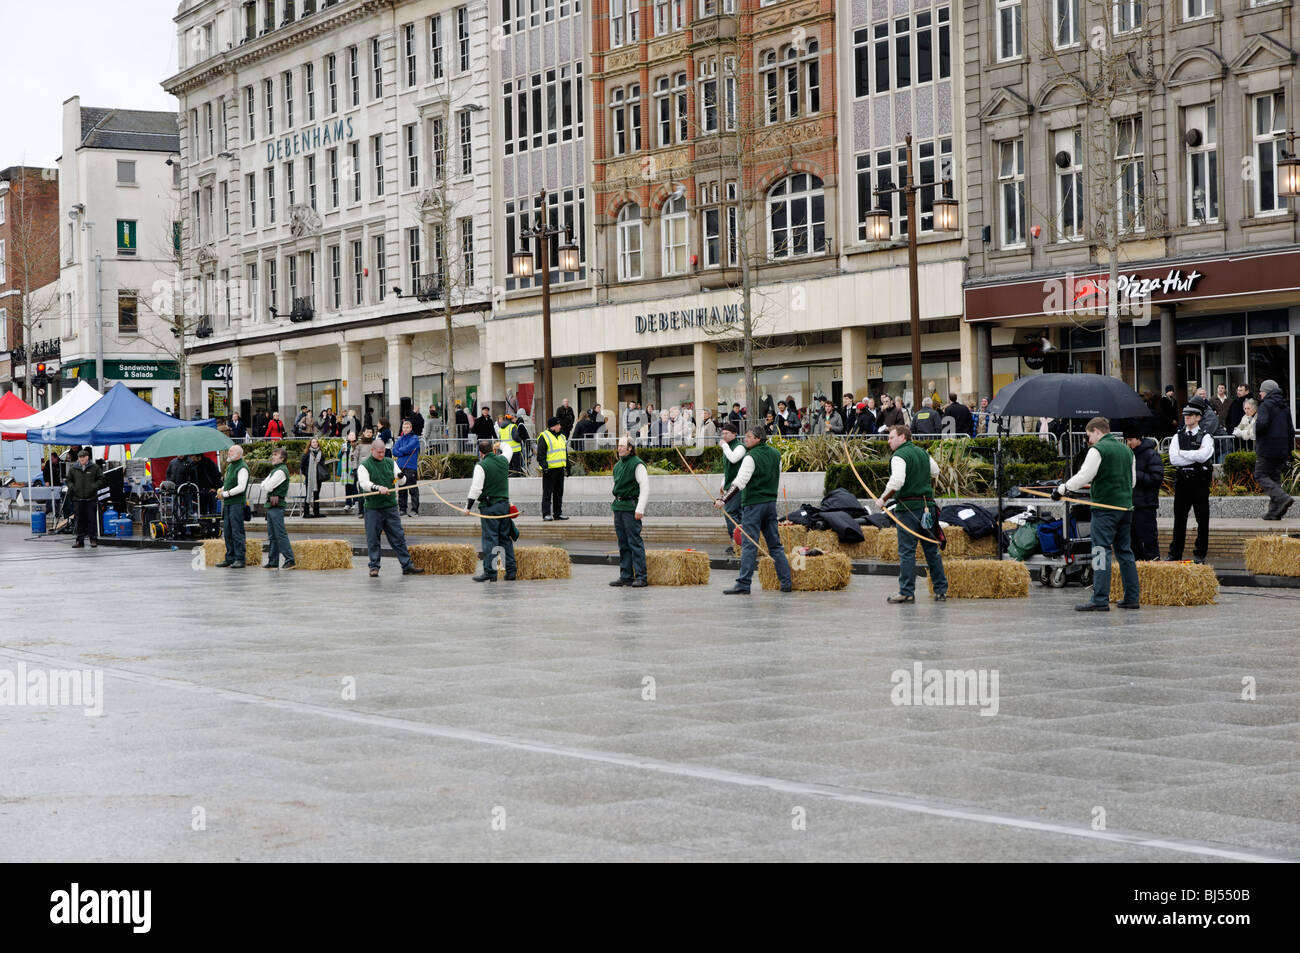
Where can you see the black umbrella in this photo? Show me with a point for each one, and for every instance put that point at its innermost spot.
(1070, 396)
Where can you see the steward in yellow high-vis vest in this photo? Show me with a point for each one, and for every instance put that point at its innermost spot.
(553, 458)
(511, 446)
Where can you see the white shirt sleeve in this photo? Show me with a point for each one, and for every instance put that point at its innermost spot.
(934, 467)
(643, 486)
(363, 480)
(898, 473)
(1180, 458)
(1091, 464)
(476, 484)
(241, 483)
(733, 456)
(746, 472)
(275, 478)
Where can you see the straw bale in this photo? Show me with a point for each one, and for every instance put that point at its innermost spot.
(444, 559)
(961, 546)
(540, 562)
(675, 567)
(214, 551)
(1169, 584)
(813, 573)
(985, 579)
(1273, 556)
(887, 544)
(322, 554)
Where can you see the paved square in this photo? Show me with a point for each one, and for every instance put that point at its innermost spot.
(570, 721)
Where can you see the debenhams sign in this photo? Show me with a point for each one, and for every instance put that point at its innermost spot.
(660, 321)
(309, 140)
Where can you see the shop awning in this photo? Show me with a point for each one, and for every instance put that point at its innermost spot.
(65, 408)
(118, 417)
(13, 407)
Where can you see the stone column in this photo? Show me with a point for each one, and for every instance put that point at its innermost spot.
(193, 393)
(984, 361)
(969, 346)
(286, 382)
(399, 376)
(853, 357)
(241, 369)
(350, 380)
(1168, 350)
(496, 387)
(706, 378)
(607, 388)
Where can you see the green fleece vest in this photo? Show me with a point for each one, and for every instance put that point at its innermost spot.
(496, 479)
(382, 473)
(281, 489)
(1113, 483)
(626, 489)
(729, 469)
(916, 489)
(232, 477)
(762, 486)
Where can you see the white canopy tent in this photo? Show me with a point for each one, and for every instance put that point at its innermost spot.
(62, 410)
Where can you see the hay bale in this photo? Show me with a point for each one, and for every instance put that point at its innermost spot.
(824, 573)
(214, 551)
(887, 544)
(674, 567)
(961, 546)
(540, 562)
(444, 559)
(985, 579)
(1273, 556)
(322, 554)
(1169, 584)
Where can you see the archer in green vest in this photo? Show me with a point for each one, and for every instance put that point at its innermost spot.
(491, 488)
(379, 477)
(631, 489)
(733, 451)
(757, 482)
(275, 488)
(1111, 469)
(910, 471)
(553, 457)
(233, 493)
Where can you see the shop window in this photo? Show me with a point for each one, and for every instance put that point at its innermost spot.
(128, 313)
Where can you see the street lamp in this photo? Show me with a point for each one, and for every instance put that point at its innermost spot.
(880, 229)
(525, 266)
(1288, 171)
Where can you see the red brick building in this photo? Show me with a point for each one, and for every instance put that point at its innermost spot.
(29, 255)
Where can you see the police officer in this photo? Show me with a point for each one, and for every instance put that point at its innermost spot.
(631, 489)
(491, 488)
(926, 420)
(1110, 469)
(553, 457)
(506, 430)
(756, 484)
(733, 452)
(1192, 453)
(910, 471)
(233, 493)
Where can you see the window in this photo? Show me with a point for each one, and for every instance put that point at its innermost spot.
(291, 263)
(711, 225)
(309, 90)
(310, 162)
(663, 112)
(438, 255)
(1196, 9)
(331, 85)
(268, 16)
(435, 46)
(253, 287)
(354, 166)
(290, 184)
(336, 277)
(623, 22)
(466, 142)
(412, 157)
(128, 313)
(409, 53)
(126, 234)
(1201, 127)
(413, 253)
(462, 37)
(207, 213)
(467, 250)
(1065, 17)
(625, 107)
(225, 208)
(333, 156)
(125, 173)
(1130, 173)
(377, 152)
(250, 20)
(1009, 26)
(673, 225)
(270, 196)
(250, 191)
(439, 149)
(710, 8)
(354, 76)
(729, 92)
(708, 93)
(250, 109)
(900, 53)
(681, 114)
(1011, 187)
(358, 269)
(287, 82)
(1270, 146)
(194, 133)
(381, 267)
(670, 15)
(628, 230)
(196, 220)
(4, 263)
(1068, 162)
(377, 67)
(225, 130)
(225, 286)
(796, 211)
(268, 98)
(210, 126)
(1128, 15)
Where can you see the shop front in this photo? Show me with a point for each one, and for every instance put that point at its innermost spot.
(155, 382)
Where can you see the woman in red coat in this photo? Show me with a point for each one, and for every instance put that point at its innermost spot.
(275, 427)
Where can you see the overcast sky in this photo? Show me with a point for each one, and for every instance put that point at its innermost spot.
(109, 54)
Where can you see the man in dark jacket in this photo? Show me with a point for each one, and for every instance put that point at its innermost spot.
(417, 421)
(238, 429)
(1150, 473)
(84, 481)
(963, 420)
(462, 422)
(1168, 411)
(1237, 409)
(484, 428)
(1274, 443)
(925, 420)
(567, 418)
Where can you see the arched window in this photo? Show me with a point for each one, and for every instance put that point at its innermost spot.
(674, 236)
(796, 211)
(629, 242)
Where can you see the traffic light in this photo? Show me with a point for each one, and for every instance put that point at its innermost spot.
(41, 378)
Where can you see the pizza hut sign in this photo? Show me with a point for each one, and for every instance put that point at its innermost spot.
(1133, 286)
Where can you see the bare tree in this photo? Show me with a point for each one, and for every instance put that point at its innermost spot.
(182, 306)
(33, 251)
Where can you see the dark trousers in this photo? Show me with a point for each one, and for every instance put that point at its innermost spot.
(731, 516)
(1112, 531)
(314, 502)
(385, 519)
(87, 519)
(553, 491)
(631, 550)
(907, 544)
(412, 494)
(1146, 541)
(1267, 472)
(232, 527)
(496, 541)
(277, 539)
(1191, 494)
(755, 519)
